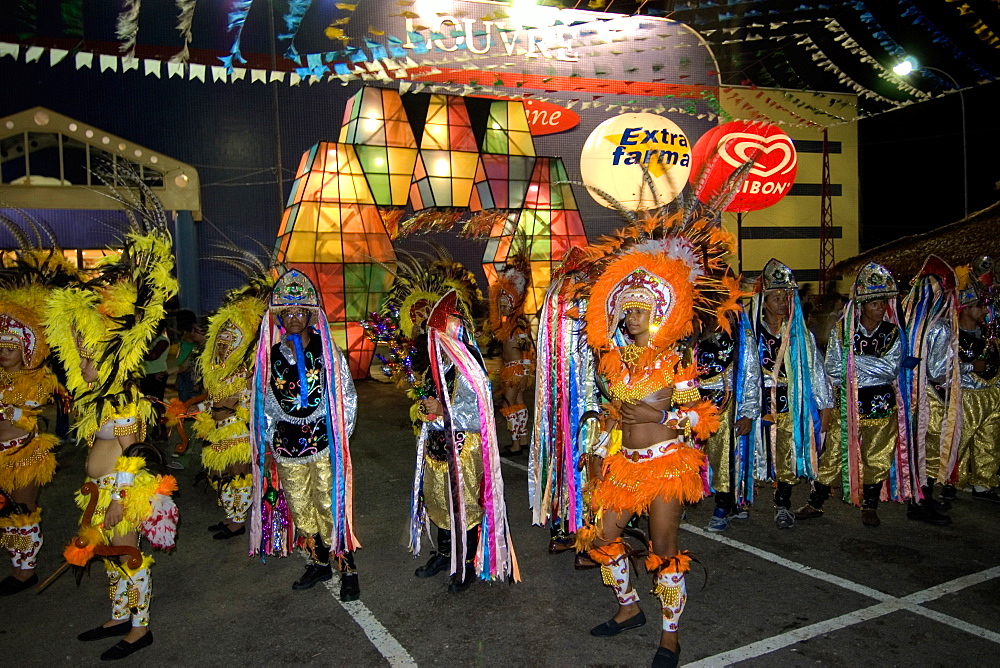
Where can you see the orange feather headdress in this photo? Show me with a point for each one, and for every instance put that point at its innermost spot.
(669, 263)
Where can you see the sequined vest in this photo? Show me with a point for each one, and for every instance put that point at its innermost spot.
(877, 401)
(715, 355)
(973, 346)
(770, 345)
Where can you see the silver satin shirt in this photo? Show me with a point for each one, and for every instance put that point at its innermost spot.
(871, 370)
(938, 352)
(464, 406)
(273, 411)
(973, 381)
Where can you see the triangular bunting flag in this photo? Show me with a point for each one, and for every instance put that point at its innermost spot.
(108, 62)
(56, 56)
(84, 59)
(258, 76)
(196, 72)
(33, 53)
(153, 67)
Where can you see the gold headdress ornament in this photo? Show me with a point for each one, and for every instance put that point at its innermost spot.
(114, 317)
(21, 326)
(776, 276)
(969, 288)
(873, 282)
(26, 279)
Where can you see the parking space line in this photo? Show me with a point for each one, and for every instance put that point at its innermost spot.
(379, 636)
(889, 604)
(511, 462)
(793, 565)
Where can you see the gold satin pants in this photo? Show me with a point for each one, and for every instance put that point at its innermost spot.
(784, 455)
(437, 485)
(307, 490)
(977, 449)
(878, 445)
(719, 449)
(932, 443)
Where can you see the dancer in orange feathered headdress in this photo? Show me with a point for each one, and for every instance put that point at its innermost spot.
(652, 287)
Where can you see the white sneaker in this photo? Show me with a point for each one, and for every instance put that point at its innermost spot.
(784, 518)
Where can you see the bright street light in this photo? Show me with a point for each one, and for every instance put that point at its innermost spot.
(904, 67)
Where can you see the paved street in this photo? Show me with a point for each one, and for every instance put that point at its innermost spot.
(828, 592)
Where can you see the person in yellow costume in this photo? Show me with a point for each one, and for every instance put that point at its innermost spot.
(101, 333)
(26, 458)
(226, 362)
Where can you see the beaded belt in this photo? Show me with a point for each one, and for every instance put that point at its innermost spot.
(14, 442)
(522, 362)
(227, 443)
(652, 452)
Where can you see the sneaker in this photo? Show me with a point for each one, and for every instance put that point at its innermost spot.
(718, 524)
(742, 513)
(783, 518)
(989, 495)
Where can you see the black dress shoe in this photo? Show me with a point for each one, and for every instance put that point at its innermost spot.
(228, 533)
(123, 649)
(11, 585)
(437, 563)
(350, 587)
(664, 658)
(314, 573)
(613, 628)
(219, 526)
(105, 631)
(925, 512)
(582, 562)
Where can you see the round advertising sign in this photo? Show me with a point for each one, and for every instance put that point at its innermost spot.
(622, 150)
(722, 150)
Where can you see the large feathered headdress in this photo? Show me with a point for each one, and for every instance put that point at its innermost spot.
(665, 262)
(114, 317)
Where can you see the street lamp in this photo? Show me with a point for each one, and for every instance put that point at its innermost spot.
(903, 68)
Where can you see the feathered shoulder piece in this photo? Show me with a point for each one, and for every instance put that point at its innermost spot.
(508, 291)
(113, 318)
(673, 265)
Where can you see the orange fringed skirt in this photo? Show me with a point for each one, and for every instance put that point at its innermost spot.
(630, 486)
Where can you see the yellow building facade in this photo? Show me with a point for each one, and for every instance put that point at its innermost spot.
(789, 230)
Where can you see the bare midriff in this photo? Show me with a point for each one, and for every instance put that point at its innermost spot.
(102, 456)
(646, 434)
(9, 431)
